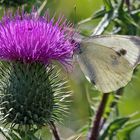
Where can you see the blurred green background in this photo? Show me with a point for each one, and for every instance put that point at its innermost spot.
(84, 95)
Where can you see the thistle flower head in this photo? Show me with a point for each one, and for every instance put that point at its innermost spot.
(30, 38)
(30, 91)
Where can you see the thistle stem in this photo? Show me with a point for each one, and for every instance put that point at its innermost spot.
(119, 93)
(97, 121)
(54, 131)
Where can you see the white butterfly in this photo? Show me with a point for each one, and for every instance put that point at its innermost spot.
(109, 61)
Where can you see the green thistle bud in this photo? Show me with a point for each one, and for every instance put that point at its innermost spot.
(15, 2)
(30, 94)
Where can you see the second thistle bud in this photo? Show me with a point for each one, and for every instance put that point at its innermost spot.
(28, 93)
(14, 2)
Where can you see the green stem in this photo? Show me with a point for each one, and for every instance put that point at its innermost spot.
(97, 121)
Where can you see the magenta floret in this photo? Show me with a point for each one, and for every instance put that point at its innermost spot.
(30, 38)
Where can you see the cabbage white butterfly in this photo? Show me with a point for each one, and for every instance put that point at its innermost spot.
(108, 61)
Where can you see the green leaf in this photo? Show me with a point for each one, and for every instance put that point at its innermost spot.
(99, 14)
(120, 5)
(108, 5)
(128, 128)
(113, 127)
(103, 24)
(5, 133)
(14, 135)
(134, 12)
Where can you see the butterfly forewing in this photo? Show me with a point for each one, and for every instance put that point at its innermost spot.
(108, 61)
(129, 46)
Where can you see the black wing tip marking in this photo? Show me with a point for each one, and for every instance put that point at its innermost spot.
(121, 52)
(115, 58)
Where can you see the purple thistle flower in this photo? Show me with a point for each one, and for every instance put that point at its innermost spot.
(31, 38)
(32, 92)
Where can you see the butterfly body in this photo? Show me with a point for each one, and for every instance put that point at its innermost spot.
(109, 61)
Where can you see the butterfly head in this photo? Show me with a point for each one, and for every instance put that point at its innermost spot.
(78, 49)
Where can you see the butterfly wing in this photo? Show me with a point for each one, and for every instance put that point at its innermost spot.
(130, 44)
(108, 61)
